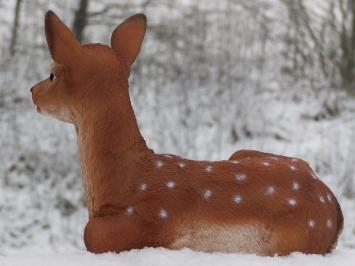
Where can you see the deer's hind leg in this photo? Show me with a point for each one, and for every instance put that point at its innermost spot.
(114, 233)
(288, 238)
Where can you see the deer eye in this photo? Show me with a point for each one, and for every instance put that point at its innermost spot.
(51, 77)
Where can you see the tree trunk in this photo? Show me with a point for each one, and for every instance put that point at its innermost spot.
(15, 27)
(348, 46)
(80, 19)
(352, 45)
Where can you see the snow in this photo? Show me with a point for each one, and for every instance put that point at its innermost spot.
(164, 257)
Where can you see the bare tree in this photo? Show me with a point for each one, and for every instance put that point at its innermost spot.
(80, 19)
(347, 37)
(15, 27)
(324, 39)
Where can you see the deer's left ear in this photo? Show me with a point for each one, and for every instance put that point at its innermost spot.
(127, 38)
(64, 48)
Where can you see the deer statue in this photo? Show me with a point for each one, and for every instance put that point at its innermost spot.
(253, 202)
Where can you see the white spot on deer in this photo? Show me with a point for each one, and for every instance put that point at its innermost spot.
(292, 202)
(143, 187)
(296, 186)
(182, 164)
(292, 167)
(235, 161)
(208, 168)
(270, 190)
(294, 160)
(321, 199)
(329, 223)
(168, 156)
(207, 194)
(329, 197)
(159, 164)
(237, 199)
(163, 214)
(314, 176)
(265, 163)
(311, 223)
(240, 177)
(274, 158)
(170, 184)
(129, 210)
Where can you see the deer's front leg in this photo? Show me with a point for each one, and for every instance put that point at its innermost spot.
(113, 233)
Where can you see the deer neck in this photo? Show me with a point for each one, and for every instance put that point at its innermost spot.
(112, 151)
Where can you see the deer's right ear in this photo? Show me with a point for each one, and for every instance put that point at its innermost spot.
(63, 45)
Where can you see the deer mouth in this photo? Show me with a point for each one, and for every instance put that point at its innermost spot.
(38, 109)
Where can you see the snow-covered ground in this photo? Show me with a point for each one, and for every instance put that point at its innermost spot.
(186, 257)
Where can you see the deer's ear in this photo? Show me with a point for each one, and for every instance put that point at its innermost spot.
(63, 46)
(127, 38)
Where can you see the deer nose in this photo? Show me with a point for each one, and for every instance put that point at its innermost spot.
(32, 89)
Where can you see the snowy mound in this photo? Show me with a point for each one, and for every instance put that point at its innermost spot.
(186, 257)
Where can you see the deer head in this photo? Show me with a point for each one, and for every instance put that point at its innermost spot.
(71, 89)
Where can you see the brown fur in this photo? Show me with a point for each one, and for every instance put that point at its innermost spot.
(130, 200)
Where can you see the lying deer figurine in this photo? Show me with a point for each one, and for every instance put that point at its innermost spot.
(254, 202)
